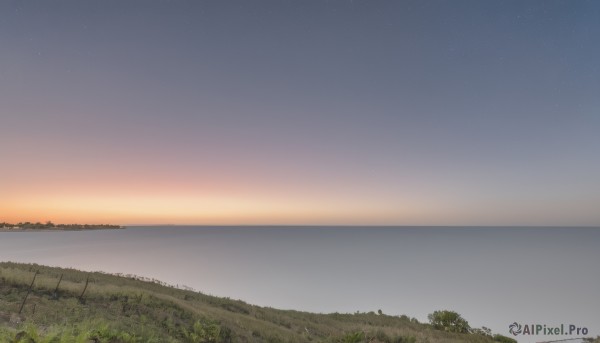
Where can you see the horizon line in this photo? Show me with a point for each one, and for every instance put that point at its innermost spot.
(364, 225)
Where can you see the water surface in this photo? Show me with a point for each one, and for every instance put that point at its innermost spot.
(492, 276)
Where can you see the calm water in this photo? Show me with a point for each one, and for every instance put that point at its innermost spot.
(493, 276)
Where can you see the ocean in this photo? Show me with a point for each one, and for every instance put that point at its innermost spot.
(493, 276)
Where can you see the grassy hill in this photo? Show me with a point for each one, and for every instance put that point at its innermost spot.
(130, 309)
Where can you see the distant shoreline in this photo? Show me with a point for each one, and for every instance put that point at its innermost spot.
(49, 226)
(57, 229)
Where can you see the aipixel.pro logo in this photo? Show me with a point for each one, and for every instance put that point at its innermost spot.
(546, 330)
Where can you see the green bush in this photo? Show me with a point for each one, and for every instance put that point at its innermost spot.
(449, 321)
(355, 337)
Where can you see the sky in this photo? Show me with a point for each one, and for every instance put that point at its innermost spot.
(300, 112)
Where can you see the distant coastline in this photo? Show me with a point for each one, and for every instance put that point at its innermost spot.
(49, 226)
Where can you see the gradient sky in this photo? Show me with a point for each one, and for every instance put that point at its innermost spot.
(311, 112)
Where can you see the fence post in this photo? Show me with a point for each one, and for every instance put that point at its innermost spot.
(28, 291)
(55, 294)
(87, 281)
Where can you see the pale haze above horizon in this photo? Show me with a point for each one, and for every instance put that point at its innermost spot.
(300, 113)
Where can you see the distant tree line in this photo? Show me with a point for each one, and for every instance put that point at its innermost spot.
(51, 226)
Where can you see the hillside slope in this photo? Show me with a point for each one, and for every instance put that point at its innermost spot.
(128, 309)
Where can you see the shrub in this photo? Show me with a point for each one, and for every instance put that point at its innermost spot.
(449, 321)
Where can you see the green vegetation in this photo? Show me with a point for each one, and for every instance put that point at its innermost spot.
(51, 226)
(449, 321)
(59, 308)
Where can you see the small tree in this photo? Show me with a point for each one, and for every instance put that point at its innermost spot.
(449, 321)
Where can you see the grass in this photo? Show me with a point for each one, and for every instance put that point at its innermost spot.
(122, 309)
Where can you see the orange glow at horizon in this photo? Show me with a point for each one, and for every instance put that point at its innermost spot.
(205, 209)
(130, 196)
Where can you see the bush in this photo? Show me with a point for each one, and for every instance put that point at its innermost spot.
(449, 321)
(355, 337)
